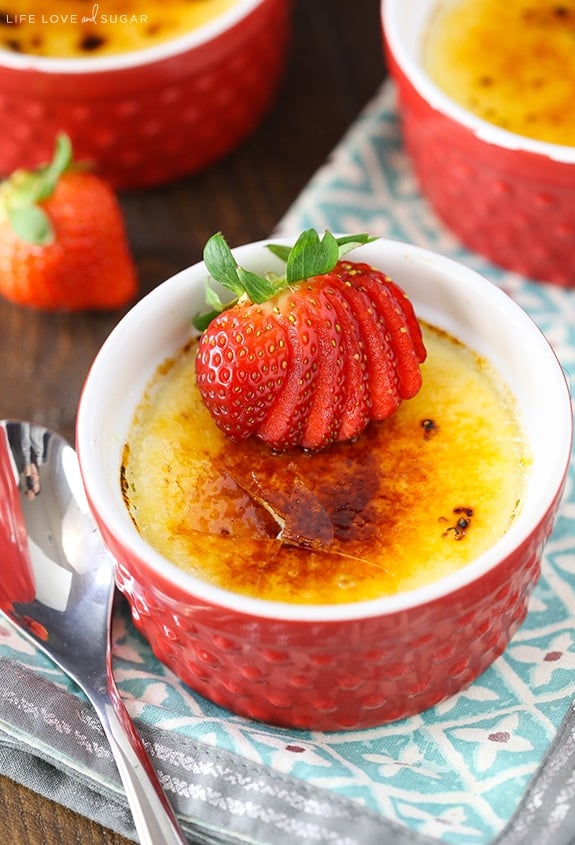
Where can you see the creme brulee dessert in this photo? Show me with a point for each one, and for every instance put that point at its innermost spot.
(413, 498)
(82, 28)
(511, 63)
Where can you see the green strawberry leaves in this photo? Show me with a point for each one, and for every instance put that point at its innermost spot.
(22, 193)
(313, 256)
(309, 256)
(223, 267)
(30, 223)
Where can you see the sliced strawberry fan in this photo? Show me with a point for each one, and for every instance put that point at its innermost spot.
(308, 358)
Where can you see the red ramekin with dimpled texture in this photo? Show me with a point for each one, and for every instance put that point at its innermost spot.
(508, 198)
(148, 117)
(331, 667)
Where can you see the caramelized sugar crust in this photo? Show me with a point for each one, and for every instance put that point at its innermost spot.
(82, 28)
(512, 63)
(413, 498)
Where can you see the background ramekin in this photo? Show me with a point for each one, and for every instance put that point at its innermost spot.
(151, 116)
(341, 666)
(509, 198)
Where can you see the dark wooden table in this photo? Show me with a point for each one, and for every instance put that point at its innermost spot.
(335, 67)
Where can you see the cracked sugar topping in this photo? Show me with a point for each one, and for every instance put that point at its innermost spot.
(413, 498)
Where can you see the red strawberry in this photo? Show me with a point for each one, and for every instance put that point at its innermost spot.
(284, 425)
(245, 359)
(324, 414)
(311, 358)
(63, 245)
(356, 407)
(396, 316)
(381, 369)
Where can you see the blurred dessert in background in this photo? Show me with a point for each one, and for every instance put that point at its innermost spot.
(511, 63)
(64, 29)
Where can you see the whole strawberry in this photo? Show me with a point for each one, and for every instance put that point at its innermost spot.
(63, 245)
(310, 358)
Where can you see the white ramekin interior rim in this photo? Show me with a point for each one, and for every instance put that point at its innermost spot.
(165, 50)
(100, 450)
(403, 26)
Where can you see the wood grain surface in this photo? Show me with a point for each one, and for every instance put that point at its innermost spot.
(335, 67)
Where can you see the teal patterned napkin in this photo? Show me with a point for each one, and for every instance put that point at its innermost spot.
(493, 764)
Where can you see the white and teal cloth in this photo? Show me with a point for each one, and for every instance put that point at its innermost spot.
(492, 766)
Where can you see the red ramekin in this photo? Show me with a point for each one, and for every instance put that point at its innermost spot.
(151, 116)
(341, 666)
(507, 197)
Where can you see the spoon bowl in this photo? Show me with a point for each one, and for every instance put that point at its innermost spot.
(58, 587)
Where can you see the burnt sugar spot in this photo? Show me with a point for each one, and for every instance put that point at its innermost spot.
(460, 522)
(91, 42)
(316, 499)
(430, 427)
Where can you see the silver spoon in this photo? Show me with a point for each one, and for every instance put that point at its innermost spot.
(57, 586)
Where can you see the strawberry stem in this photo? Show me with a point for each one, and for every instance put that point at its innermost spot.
(48, 176)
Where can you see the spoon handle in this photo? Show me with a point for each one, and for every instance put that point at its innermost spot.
(154, 818)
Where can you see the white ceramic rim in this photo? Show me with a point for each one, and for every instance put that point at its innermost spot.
(405, 55)
(124, 61)
(166, 298)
